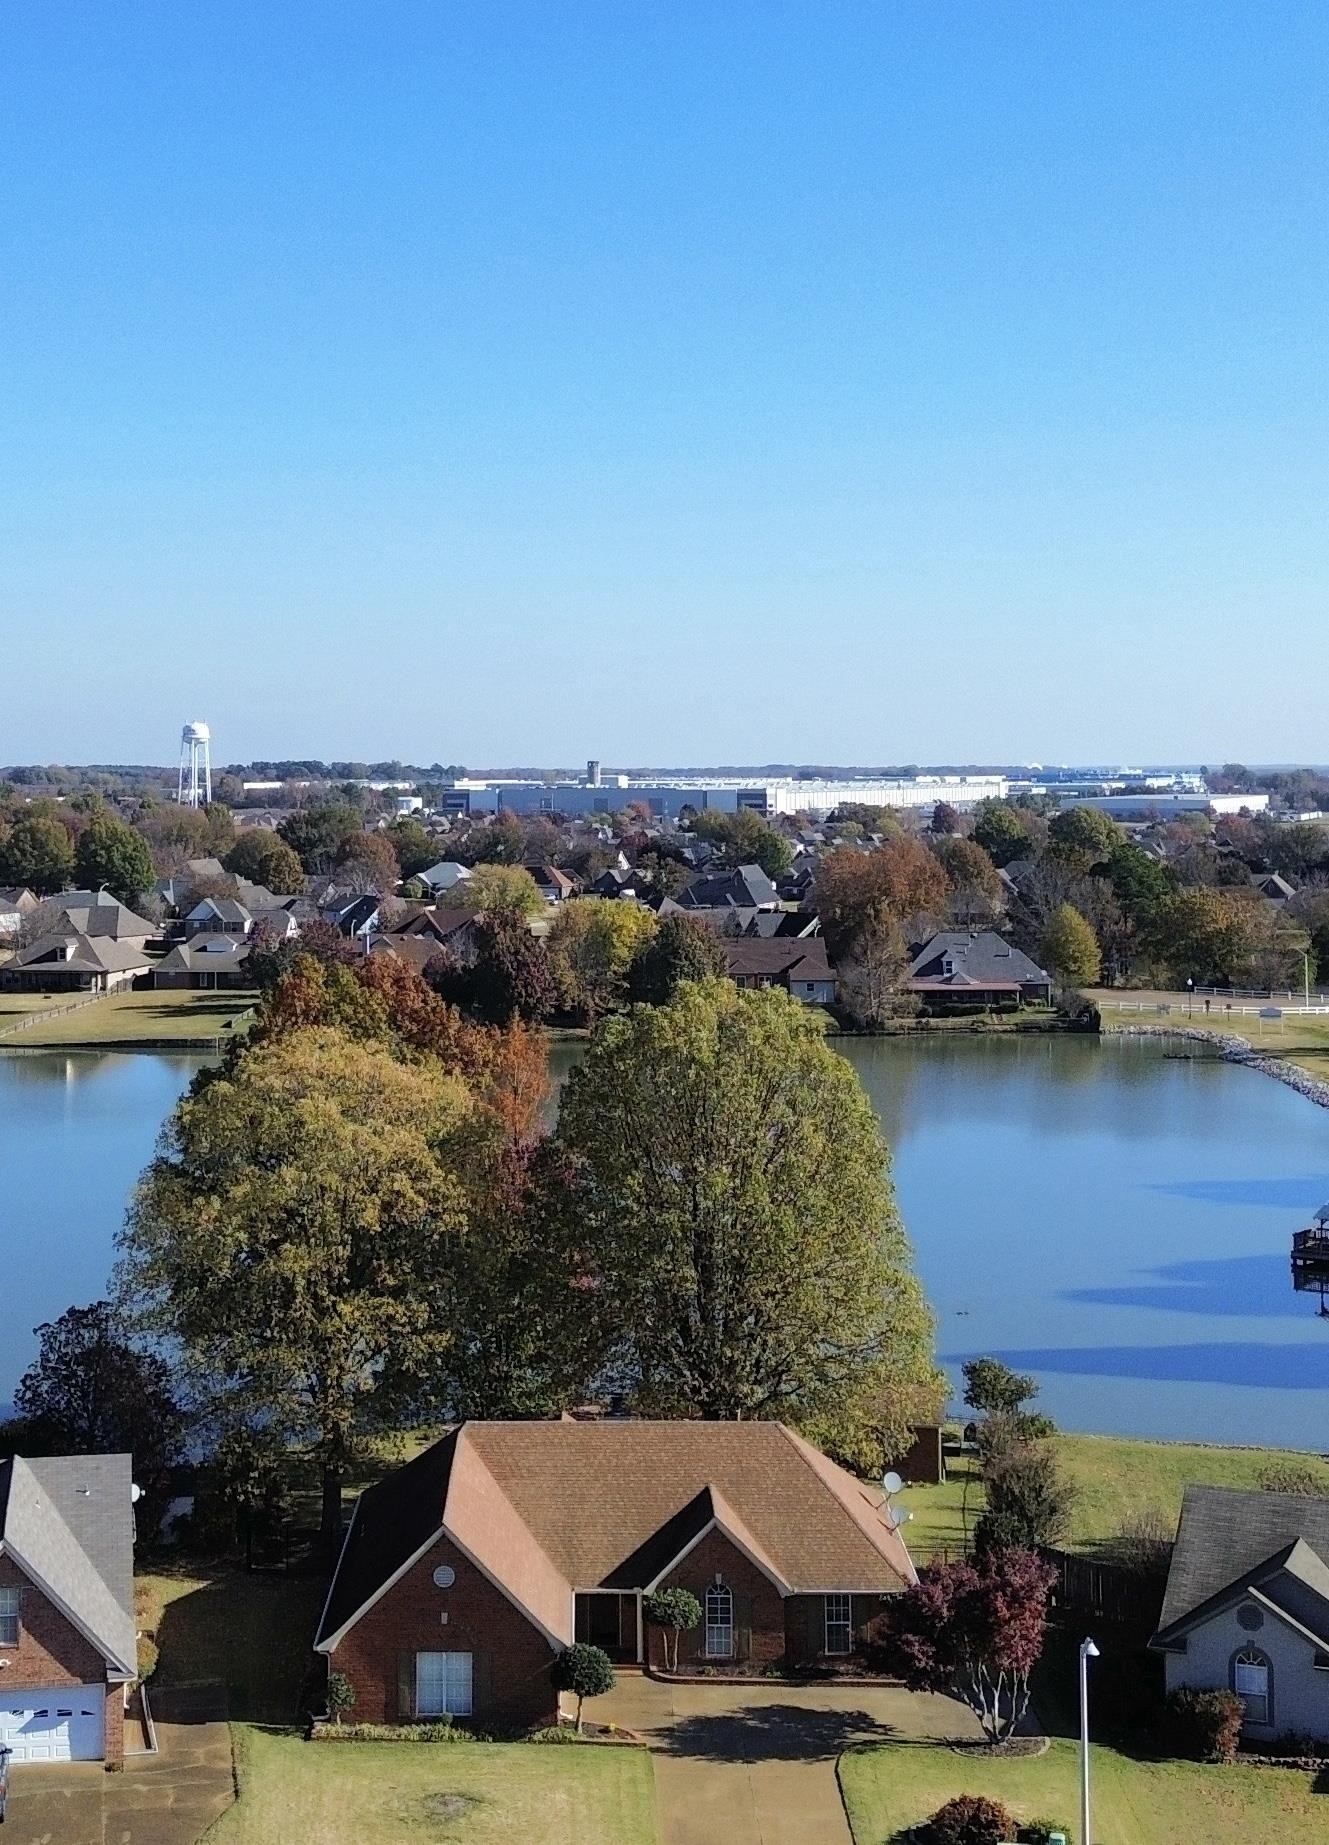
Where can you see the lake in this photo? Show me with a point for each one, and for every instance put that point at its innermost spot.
(1106, 1213)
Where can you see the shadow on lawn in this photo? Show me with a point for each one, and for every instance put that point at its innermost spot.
(774, 1733)
(251, 1633)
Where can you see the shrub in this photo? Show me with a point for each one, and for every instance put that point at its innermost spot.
(437, 1730)
(1205, 1726)
(556, 1733)
(340, 1695)
(1040, 1831)
(970, 1819)
(147, 1657)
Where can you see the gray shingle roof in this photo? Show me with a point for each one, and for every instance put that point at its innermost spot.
(67, 1521)
(1229, 1539)
(982, 958)
(748, 887)
(83, 954)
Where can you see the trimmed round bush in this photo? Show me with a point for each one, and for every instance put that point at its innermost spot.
(970, 1819)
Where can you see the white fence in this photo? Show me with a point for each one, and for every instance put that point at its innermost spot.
(1225, 1010)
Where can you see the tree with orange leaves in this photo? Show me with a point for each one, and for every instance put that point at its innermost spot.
(900, 879)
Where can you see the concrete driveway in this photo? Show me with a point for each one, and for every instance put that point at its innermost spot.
(170, 1798)
(754, 1764)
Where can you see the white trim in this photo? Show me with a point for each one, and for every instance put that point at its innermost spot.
(117, 1671)
(715, 1524)
(555, 1640)
(333, 1641)
(1281, 1614)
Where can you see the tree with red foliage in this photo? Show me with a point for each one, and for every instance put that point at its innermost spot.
(975, 1630)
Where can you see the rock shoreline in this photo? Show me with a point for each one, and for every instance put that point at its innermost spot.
(1236, 1050)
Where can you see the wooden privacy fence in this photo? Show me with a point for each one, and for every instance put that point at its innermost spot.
(1104, 1591)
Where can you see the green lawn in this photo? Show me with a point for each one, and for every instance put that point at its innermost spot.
(302, 1793)
(253, 1632)
(1303, 1041)
(1114, 1478)
(1136, 1802)
(123, 1018)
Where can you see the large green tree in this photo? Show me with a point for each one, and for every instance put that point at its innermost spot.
(90, 1390)
(1203, 935)
(748, 1253)
(317, 834)
(37, 852)
(298, 1231)
(1003, 831)
(681, 949)
(112, 855)
(745, 838)
(260, 857)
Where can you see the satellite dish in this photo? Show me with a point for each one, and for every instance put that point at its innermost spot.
(135, 1494)
(444, 1576)
(891, 1484)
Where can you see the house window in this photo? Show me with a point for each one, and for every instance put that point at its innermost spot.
(719, 1622)
(8, 1617)
(839, 1624)
(1250, 1681)
(443, 1685)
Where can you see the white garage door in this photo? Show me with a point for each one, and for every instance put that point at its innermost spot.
(53, 1726)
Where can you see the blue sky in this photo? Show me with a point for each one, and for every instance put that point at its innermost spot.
(520, 382)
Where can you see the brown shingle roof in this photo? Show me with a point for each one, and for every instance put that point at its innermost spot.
(593, 1492)
(548, 1508)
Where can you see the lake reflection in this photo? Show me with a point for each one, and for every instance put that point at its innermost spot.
(1111, 1215)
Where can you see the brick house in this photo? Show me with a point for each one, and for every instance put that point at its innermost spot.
(67, 1638)
(464, 1572)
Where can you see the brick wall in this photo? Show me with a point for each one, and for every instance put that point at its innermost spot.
(511, 1658)
(805, 1624)
(52, 1652)
(759, 1629)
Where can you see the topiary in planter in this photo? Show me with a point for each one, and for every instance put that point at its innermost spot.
(970, 1819)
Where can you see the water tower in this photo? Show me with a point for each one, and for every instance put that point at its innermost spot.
(195, 784)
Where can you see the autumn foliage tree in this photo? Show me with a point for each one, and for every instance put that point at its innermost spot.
(976, 1631)
(900, 879)
(298, 1229)
(1070, 947)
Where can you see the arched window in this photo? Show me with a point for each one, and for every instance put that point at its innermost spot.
(1253, 1683)
(719, 1622)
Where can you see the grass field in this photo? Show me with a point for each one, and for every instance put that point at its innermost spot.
(1114, 1478)
(125, 1018)
(302, 1793)
(253, 1633)
(1303, 1041)
(1136, 1802)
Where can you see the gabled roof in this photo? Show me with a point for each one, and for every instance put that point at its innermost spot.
(67, 1522)
(95, 913)
(1230, 1543)
(784, 957)
(549, 1508)
(207, 950)
(71, 949)
(982, 958)
(747, 887)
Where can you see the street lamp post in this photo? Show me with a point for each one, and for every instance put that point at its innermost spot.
(1088, 1651)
